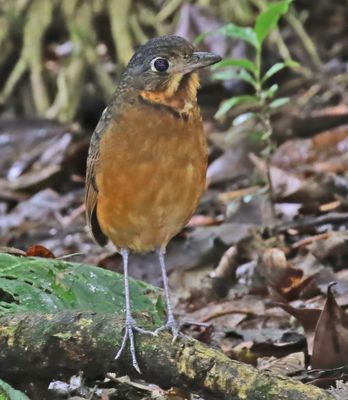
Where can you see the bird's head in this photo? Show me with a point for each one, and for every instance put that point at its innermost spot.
(164, 63)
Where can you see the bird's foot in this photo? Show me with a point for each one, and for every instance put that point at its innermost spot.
(130, 327)
(170, 325)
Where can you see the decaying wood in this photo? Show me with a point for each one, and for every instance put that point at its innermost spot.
(45, 345)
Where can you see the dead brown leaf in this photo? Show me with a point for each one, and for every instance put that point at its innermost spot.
(294, 154)
(37, 250)
(232, 164)
(227, 266)
(257, 343)
(332, 244)
(292, 186)
(326, 332)
(248, 305)
(284, 365)
(278, 273)
(323, 378)
(308, 318)
(330, 347)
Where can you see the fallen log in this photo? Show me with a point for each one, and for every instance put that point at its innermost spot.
(44, 345)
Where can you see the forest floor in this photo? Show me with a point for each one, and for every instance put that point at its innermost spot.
(252, 273)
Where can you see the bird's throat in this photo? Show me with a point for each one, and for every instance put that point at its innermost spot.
(179, 94)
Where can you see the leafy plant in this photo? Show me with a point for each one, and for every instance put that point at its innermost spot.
(250, 71)
(263, 100)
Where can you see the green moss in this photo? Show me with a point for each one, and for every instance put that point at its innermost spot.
(64, 336)
(9, 332)
(85, 323)
(268, 387)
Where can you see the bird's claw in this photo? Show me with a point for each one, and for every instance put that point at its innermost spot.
(170, 325)
(130, 327)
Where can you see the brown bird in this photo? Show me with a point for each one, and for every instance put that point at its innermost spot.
(147, 159)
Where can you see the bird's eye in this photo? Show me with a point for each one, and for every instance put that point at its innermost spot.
(159, 64)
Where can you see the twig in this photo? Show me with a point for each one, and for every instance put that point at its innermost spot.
(90, 397)
(312, 222)
(294, 21)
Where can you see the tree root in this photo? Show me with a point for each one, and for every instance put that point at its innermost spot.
(38, 19)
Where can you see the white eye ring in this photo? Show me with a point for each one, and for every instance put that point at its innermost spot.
(164, 67)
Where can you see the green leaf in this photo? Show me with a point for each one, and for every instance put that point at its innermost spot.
(292, 63)
(245, 76)
(268, 19)
(273, 70)
(278, 67)
(279, 102)
(45, 285)
(270, 92)
(225, 75)
(228, 104)
(8, 393)
(232, 74)
(243, 118)
(239, 32)
(237, 63)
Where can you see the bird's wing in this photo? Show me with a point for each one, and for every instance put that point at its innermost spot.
(91, 191)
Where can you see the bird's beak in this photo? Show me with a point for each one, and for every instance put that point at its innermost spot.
(200, 59)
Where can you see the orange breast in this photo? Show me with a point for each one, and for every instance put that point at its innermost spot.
(150, 176)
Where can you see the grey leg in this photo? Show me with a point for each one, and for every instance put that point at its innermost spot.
(130, 323)
(171, 323)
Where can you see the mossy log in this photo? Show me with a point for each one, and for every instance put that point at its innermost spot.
(44, 345)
